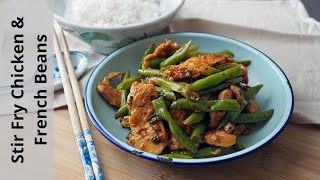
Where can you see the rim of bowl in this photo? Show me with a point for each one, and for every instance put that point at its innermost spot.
(128, 26)
(236, 155)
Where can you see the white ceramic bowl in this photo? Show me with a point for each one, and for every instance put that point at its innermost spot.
(105, 39)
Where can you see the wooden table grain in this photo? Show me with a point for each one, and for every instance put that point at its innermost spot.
(295, 154)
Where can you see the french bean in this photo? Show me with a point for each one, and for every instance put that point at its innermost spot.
(226, 66)
(207, 105)
(162, 111)
(214, 79)
(198, 131)
(179, 156)
(150, 50)
(202, 153)
(223, 52)
(122, 111)
(254, 117)
(222, 86)
(177, 56)
(176, 87)
(244, 62)
(150, 72)
(194, 118)
(166, 93)
(125, 85)
(207, 70)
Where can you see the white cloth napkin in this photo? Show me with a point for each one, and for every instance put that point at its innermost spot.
(280, 28)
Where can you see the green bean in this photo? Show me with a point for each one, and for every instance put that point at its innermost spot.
(162, 111)
(238, 146)
(214, 79)
(125, 85)
(177, 56)
(248, 96)
(122, 111)
(173, 86)
(162, 69)
(150, 50)
(150, 72)
(193, 48)
(198, 131)
(207, 70)
(202, 153)
(244, 62)
(254, 117)
(207, 105)
(224, 52)
(179, 156)
(226, 66)
(166, 93)
(124, 93)
(194, 118)
(221, 86)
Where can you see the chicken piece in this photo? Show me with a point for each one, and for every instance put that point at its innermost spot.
(216, 116)
(110, 94)
(163, 50)
(179, 115)
(225, 94)
(151, 138)
(239, 129)
(174, 144)
(190, 68)
(244, 74)
(125, 122)
(238, 93)
(252, 107)
(220, 138)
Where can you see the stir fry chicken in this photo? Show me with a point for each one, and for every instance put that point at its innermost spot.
(220, 138)
(149, 137)
(110, 94)
(238, 93)
(163, 50)
(190, 68)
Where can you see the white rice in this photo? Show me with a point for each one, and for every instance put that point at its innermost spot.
(112, 12)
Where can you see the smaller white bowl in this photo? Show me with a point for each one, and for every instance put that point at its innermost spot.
(79, 62)
(105, 39)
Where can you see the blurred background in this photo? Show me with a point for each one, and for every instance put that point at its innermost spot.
(313, 8)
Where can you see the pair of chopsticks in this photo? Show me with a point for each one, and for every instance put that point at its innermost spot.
(86, 147)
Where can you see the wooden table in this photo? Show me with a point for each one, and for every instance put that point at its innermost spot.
(295, 154)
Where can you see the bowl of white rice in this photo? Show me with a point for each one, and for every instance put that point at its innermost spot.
(107, 25)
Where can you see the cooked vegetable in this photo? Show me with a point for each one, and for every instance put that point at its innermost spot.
(179, 156)
(198, 132)
(150, 72)
(173, 86)
(150, 50)
(254, 117)
(126, 84)
(162, 111)
(122, 111)
(185, 103)
(194, 118)
(207, 70)
(214, 79)
(166, 93)
(206, 105)
(177, 56)
(244, 62)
